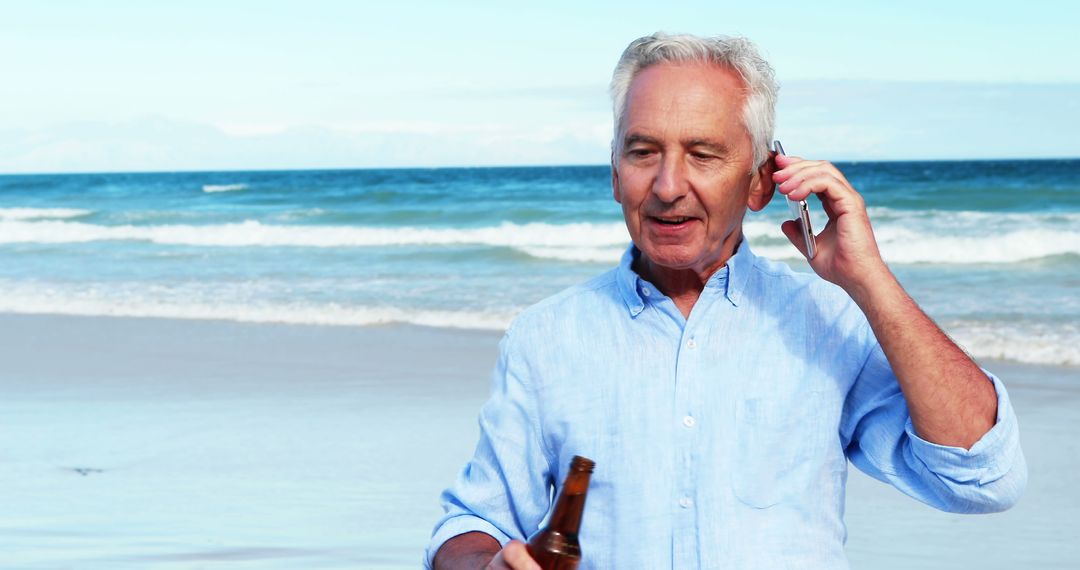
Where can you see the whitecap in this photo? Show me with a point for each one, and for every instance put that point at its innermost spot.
(1029, 342)
(583, 242)
(603, 255)
(146, 304)
(254, 234)
(210, 188)
(42, 213)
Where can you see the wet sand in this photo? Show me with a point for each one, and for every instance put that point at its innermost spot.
(155, 443)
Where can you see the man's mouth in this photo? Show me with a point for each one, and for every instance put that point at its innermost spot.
(672, 220)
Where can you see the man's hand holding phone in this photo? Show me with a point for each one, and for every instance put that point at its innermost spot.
(845, 252)
(801, 214)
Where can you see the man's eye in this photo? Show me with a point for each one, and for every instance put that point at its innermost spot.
(640, 152)
(701, 156)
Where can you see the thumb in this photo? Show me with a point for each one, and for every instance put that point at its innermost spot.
(514, 556)
(794, 234)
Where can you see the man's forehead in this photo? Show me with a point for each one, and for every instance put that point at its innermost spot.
(697, 101)
(683, 79)
(689, 89)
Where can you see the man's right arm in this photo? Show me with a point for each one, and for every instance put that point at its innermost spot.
(470, 551)
(475, 550)
(504, 491)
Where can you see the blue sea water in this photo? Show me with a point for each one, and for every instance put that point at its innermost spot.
(990, 248)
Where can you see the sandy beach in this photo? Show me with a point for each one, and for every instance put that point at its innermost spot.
(155, 443)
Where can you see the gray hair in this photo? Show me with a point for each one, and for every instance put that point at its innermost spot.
(738, 54)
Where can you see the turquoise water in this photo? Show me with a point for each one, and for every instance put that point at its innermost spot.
(990, 248)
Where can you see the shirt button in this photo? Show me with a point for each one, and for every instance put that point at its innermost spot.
(686, 502)
(645, 291)
(690, 343)
(689, 421)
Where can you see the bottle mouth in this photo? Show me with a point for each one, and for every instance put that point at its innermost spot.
(580, 463)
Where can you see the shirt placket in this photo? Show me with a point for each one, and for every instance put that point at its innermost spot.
(687, 428)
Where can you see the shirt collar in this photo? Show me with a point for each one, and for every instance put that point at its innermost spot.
(731, 276)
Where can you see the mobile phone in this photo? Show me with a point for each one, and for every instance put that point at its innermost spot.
(801, 213)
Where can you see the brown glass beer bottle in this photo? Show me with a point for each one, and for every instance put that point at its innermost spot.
(556, 547)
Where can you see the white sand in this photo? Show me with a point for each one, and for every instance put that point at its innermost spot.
(149, 443)
(256, 446)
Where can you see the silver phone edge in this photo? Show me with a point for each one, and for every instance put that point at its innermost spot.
(807, 230)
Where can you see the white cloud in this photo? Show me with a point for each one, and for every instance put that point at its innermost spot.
(879, 120)
(163, 144)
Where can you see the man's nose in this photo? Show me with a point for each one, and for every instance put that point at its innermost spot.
(670, 183)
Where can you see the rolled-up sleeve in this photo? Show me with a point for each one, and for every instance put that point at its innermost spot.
(504, 490)
(988, 477)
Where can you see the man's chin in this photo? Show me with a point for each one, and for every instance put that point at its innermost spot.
(670, 257)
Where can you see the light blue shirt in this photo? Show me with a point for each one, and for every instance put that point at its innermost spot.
(720, 440)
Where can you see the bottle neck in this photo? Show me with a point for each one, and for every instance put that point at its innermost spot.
(566, 518)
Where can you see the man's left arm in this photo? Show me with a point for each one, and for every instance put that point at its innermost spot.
(951, 401)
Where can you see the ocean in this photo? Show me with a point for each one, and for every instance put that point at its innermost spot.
(208, 441)
(991, 249)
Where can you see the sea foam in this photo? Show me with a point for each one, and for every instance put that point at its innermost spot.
(1032, 342)
(580, 242)
(253, 234)
(1029, 342)
(211, 188)
(85, 303)
(41, 213)
(948, 237)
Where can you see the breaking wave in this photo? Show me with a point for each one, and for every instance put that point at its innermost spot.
(210, 188)
(575, 242)
(41, 213)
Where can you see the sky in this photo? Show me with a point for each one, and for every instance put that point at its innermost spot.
(199, 85)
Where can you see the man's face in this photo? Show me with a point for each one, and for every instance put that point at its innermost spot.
(684, 172)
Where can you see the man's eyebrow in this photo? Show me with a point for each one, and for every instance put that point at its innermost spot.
(714, 146)
(632, 139)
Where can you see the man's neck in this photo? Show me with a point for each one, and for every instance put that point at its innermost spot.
(683, 286)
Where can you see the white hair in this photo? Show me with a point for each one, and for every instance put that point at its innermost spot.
(738, 54)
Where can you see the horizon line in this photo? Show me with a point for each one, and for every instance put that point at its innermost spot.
(496, 166)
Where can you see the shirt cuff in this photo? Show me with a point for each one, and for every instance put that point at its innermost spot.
(988, 460)
(461, 524)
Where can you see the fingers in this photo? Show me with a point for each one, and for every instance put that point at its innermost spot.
(808, 182)
(800, 179)
(513, 556)
(788, 165)
(791, 166)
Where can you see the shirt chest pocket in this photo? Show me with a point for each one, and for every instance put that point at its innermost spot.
(781, 446)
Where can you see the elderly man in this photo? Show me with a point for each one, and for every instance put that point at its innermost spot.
(720, 394)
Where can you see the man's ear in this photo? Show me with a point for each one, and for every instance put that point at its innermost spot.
(762, 186)
(615, 190)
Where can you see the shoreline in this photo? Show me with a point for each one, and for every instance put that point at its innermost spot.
(1046, 373)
